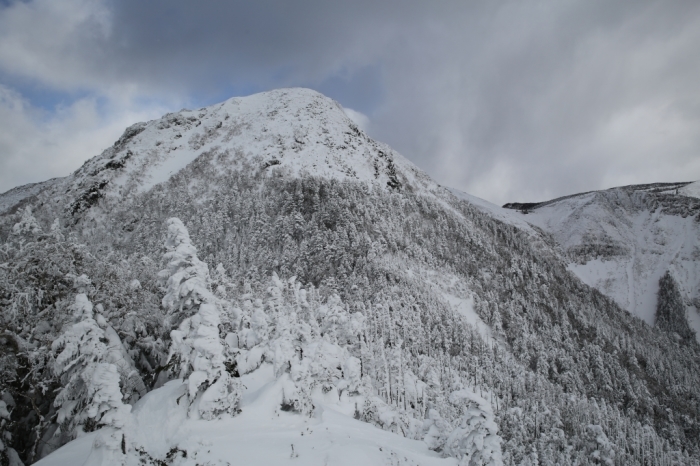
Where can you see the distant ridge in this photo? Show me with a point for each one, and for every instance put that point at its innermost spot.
(650, 187)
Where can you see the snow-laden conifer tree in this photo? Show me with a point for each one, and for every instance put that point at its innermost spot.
(55, 230)
(8, 455)
(88, 364)
(599, 448)
(475, 441)
(197, 350)
(186, 277)
(27, 224)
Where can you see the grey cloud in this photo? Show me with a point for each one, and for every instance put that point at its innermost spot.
(524, 109)
(509, 100)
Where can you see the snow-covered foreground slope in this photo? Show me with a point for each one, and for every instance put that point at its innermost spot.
(621, 241)
(261, 434)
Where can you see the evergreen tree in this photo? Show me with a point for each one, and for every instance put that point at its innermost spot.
(27, 225)
(670, 310)
(186, 277)
(91, 396)
(8, 455)
(197, 349)
(475, 440)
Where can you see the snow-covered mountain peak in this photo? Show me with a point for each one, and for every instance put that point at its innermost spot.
(259, 282)
(288, 132)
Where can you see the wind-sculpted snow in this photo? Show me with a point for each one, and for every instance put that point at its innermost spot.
(261, 291)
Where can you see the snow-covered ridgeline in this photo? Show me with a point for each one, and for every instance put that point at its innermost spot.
(288, 132)
(622, 241)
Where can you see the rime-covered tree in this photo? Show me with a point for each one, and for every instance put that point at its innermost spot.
(27, 225)
(599, 448)
(186, 277)
(475, 441)
(88, 363)
(197, 349)
(8, 455)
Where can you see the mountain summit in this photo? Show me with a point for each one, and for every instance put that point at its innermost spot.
(288, 132)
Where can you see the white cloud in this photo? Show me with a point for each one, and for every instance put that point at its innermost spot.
(37, 145)
(527, 104)
(359, 118)
(55, 43)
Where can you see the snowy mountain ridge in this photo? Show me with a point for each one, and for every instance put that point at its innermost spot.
(623, 240)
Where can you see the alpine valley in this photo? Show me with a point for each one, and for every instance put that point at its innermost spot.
(259, 282)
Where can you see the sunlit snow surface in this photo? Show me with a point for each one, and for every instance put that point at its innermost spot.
(261, 434)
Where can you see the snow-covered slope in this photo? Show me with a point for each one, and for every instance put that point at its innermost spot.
(261, 434)
(15, 196)
(495, 211)
(622, 240)
(691, 190)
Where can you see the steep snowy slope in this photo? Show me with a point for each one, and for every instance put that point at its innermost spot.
(691, 190)
(495, 211)
(622, 240)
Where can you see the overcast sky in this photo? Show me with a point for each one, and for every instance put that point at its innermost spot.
(507, 100)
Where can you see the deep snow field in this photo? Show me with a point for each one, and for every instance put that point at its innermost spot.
(261, 434)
